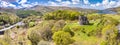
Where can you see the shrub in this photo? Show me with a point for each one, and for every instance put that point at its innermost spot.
(28, 42)
(31, 24)
(26, 13)
(67, 29)
(34, 36)
(103, 43)
(94, 16)
(46, 33)
(30, 21)
(111, 21)
(46, 30)
(7, 37)
(62, 38)
(62, 14)
(6, 18)
(110, 34)
(44, 43)
(2, 42)
(58, 25)
(39, 32)
(49, 23)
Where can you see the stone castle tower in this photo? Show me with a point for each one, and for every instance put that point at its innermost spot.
(83, 20)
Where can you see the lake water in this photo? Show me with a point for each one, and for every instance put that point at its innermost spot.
(107, 12)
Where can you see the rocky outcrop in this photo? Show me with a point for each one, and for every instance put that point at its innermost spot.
(83, 20)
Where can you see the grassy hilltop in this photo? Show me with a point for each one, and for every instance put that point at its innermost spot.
(60, 27)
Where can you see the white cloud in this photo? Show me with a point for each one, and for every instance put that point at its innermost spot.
(86, 2)
(63, 3)
(98, 4)
(29, 5)
(6, 4)
(52, 3)
(75, 1)
(112, 3)
(92, 5)
(59, 0)
(22, 4)
(26, 5)
(117, 3)
(66, 3)
(22, 1)
(17, 0)
(105, 2)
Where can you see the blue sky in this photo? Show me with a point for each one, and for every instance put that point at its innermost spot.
(90, 4)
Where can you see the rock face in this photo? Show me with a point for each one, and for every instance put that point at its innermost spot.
(83, 20)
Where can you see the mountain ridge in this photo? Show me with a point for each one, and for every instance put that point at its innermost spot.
(45, 9)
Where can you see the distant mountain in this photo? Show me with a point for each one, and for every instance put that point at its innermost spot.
(44, 9)
(117, 9)
(11, 10)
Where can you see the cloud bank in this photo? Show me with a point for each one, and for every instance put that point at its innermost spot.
(21, 3)
(71, 3)
(86, 4)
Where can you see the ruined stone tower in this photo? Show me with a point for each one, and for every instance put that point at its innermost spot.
(83, 20)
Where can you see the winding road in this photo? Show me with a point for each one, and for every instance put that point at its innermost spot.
(12, 26)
